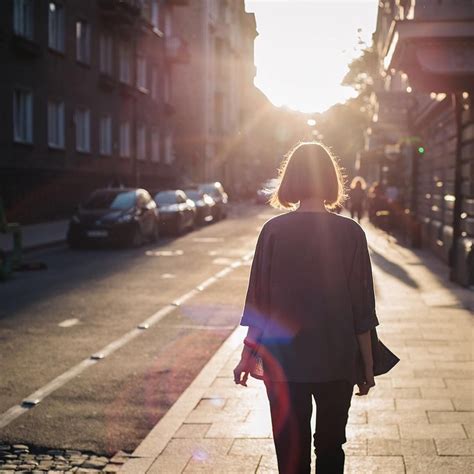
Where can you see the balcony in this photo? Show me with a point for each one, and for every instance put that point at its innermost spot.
(120, 11)
(438, 56)
(177, 50)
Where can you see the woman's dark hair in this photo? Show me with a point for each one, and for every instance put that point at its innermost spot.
(309, 171)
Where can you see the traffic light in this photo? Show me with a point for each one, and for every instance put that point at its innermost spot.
(421, 150)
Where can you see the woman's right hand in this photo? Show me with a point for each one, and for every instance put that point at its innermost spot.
(242, 370)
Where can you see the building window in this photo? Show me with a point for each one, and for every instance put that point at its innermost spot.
(56, 124)
(141, 73)
(125, 140)
(83, 130)
(106, 135)
(83, 34)
(155, 145)
(23, 18)
(106, 54)
(169, 158)
(154, 83)
(155, 12)
(125, 62)
(141, 142)
(168, 25)
(56, 26)
(23, 116)
(166, 89)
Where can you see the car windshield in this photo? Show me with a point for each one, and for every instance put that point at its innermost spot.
(210, 189)
(111, 200)
(165, 197)
(193, 194)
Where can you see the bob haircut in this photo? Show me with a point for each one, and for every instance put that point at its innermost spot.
(356, 181)
(309, 171)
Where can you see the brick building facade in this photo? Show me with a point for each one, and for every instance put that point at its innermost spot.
(85, 101)
(422, 134)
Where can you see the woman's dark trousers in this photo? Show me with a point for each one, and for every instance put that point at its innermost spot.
(291, 409)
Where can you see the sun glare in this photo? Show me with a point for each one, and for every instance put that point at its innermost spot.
(304, 48)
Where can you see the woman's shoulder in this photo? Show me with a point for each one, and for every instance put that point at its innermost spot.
(334, 218)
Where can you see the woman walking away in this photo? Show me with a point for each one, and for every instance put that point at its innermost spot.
(357, 196)
(309, 310)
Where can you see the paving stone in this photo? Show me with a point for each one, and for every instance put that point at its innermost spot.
(397, 416)
(268, 465)
(239, 430)
(357, 417)
(443, 373)
(412, 392)
(192, 430)
(93, 464)
(451, 417)
(186, 446)
(21, 446)
(436, 393)
(439, 464)
(223, 463)
(120, 457)
(261, 446)
(439, 431)
(424, 404)
(418, 382)
(469, 429)
(455, 447)
(111, 468)
(169, 464)
(356, 447)
(374, 464)
(372, 431)
(394, 447)
(464, 404)
(364, 403)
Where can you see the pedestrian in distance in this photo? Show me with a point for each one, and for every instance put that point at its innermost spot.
(310, 312)
(357, 197)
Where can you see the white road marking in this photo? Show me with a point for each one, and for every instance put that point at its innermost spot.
(221, 261)
(167, 276)
(164, 253)
(208, 239)
(36, 397)
(67, 323)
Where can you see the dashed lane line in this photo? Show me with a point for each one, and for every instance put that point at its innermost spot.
(36, 397)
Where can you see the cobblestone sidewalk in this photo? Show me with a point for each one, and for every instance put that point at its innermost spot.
(20, 458)
(419, 418)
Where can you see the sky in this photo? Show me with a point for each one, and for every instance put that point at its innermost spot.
(304, 47)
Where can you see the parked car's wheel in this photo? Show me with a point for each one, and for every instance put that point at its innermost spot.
(136, 239)
(179, 226)
(74, 242)
(155, 235)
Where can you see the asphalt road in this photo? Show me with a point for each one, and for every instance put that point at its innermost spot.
(52, 320)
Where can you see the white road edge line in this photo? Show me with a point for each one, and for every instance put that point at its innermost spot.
(36, 397)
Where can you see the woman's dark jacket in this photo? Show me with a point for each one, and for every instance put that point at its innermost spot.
(310, 292)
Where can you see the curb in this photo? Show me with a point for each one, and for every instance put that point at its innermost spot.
(151, 447)
(44, 246)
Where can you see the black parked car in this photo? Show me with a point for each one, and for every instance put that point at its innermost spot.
(216, 191)
(117, 215)
(205, 205)
(177, 212)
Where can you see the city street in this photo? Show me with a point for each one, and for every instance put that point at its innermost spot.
(52, 320)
